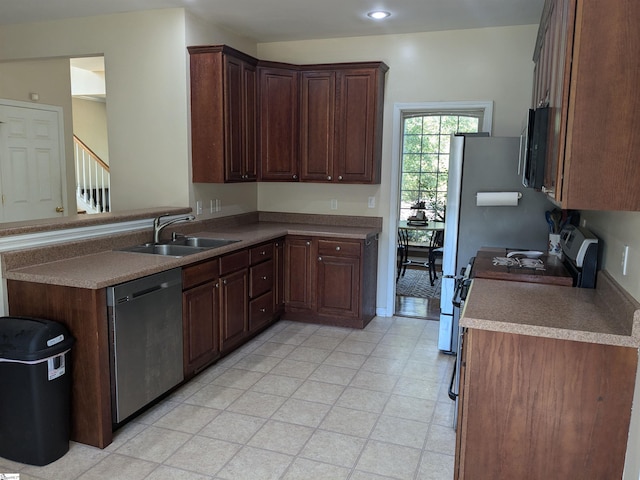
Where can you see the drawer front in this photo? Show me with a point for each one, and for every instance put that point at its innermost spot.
(200, 273)
(234, 261)
(261, 279)
(260, 311)
(339, 247)
(261, 253)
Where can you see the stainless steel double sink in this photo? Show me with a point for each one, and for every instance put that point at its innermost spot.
(179, 247)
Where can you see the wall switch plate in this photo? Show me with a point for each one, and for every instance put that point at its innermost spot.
(372, 202)
(334, 204)
(199, 207)
(625, 259)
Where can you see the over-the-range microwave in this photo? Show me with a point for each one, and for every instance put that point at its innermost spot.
(533, 147)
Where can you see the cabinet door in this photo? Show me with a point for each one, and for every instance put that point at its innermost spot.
(240, 119)
(200, 326)
(338, 285)
(234, 299)
(358, 126)
(278, 124)
(317, 125)
(298, 273)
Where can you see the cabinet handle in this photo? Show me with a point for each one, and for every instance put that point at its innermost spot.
(319, 259)
(308, 243)
(264, 277)
(329, 177)
(263, 252)
(224, 282)
(338, 248)
(295, 177)
(217, 285)
(262, 310)
(339, 177)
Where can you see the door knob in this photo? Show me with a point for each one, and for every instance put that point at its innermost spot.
(59, 209)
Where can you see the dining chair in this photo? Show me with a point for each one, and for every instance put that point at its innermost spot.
(402, 252)
(436, 251)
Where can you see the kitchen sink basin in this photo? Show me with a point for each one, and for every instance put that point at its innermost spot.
(180, 247)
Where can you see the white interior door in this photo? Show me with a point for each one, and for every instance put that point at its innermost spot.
(30, 162)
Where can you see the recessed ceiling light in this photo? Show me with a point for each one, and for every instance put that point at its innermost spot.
(378, 14)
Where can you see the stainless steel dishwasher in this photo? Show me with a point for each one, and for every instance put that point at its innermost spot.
(145, 333)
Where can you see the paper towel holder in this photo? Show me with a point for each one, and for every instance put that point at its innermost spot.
(498, 199)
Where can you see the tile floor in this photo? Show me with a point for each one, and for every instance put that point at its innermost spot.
(297, 402)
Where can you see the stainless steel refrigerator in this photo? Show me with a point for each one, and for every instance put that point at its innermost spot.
(484, 164)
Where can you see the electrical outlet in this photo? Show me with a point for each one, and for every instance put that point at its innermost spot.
(334, 204)
(625, 259)
(372, 202)
(199, 207)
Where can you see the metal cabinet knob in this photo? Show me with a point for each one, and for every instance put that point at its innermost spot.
(338, 248)
(329, 177)
(224, 282)
(262, 310)
(319, 259)
(339, 177)
(308, 243)
(265, 277)
(295, 177)
(263, 252)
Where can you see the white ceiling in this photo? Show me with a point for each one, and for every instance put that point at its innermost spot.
(283, 20)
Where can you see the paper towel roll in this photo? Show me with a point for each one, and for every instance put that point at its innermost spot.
(496, 199)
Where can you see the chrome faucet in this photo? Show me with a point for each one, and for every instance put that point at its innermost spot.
(158, 227)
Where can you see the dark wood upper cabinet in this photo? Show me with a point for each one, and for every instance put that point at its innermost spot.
(278, 107)
(587, 73)
(273, 121)
(223, 114)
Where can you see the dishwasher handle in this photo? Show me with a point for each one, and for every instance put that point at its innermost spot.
(141, 287)
(144, 292)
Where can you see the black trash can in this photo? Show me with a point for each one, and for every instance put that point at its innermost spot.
(35, 389)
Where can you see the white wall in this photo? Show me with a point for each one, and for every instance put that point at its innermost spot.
(90, 126)
(146, 89)
(483, 64)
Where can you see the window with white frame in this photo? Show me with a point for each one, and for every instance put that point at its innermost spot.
(425, 158)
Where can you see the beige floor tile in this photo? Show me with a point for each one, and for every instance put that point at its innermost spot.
(303, 469)
(272, 349)
(360, 475)
(257, 404)
(154, 413)
(363, 399)
(367, 335)
(333, 448)
(410, 408)
(237, 378)
(277, 385)
(281, 437)
(232, 427)
(319, 392)
(390, 460)
(331, 374)
(394, 352)
(203, 455)
(349, 421)
(412, 387)
(374, 381)
(344, 359)
(326, 342)
(301, 412)
(256, 464)
(257, 363)
(119, 467)
(441, 439)
(436, 466)
(171, 473)
(444, 413)
(289, 338)
(214, 396)
(309, 354)
(383, 365)
(154, 444)
(399, 431)
(187, 418)
(294, 368)
(124, 434)
(349, 345)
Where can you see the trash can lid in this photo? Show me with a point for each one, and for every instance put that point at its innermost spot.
(26, 338)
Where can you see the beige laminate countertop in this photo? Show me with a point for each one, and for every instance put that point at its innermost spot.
(605, 315)
(107, 268)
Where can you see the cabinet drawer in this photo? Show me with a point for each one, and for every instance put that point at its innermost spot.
(234, 261)
(200, 273)
(260, 253)
(339, 247)
(260, 311)
(261, 279)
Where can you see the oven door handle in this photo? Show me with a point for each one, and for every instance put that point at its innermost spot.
(453, 395)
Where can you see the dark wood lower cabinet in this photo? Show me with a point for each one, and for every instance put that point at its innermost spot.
(201, 324)
(234, 316)
(331, 280)
(534, 408)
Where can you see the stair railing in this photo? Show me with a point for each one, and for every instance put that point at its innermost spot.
(93, 179)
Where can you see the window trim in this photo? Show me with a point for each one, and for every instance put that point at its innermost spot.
(399, 109)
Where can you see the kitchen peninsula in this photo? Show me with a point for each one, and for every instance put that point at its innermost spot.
(67, 283)
(547, 380)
